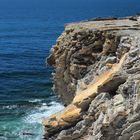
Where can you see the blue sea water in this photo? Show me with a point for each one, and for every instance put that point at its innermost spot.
(28, 29)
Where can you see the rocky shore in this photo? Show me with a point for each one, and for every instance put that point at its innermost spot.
(97, 77)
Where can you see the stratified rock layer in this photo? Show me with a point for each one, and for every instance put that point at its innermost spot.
(97, 76)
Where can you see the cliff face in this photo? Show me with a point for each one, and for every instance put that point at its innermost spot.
(97, 76)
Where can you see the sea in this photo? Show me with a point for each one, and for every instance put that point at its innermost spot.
(28, 29)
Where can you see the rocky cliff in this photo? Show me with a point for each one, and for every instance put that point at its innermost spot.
(97, 76)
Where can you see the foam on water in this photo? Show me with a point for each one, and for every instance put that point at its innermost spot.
(30, 126)
(43, 112)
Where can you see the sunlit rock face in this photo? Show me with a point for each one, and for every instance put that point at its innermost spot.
(97, 77)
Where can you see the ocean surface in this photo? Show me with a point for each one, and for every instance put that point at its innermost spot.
(26, 35)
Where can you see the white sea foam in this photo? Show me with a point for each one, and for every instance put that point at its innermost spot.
(43, 112)
(9, 107)
(35, 100)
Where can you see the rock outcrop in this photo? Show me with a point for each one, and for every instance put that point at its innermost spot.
(97, 76)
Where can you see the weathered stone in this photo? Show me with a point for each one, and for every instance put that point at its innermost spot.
(97, 76)
(62, 119)
(118, 99)
(136, 135)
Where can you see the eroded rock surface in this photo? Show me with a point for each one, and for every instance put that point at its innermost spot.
(97, 76)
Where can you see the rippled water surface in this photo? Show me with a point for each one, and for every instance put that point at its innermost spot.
(26, 36)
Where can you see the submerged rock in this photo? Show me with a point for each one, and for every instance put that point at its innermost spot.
(97, 76)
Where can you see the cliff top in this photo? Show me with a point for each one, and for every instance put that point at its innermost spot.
(107, 24)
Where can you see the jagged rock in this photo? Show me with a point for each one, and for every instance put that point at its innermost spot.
(118, 99)
(97, 76)
(62, 120)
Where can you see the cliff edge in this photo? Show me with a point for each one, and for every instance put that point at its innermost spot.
(97, 76)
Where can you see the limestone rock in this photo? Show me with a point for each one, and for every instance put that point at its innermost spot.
(97, 76)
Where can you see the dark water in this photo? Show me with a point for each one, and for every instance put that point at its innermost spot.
(27, 33)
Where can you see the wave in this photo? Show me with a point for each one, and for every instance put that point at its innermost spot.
(29, 125)
(9, 107)
(43, 112)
